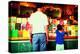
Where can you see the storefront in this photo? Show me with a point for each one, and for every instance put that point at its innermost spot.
(19, 27)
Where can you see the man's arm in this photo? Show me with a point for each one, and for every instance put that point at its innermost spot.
(30, 30)
(47, 33)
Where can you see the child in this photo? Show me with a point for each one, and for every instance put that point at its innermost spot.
(59, 38)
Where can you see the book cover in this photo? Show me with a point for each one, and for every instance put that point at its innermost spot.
(27, 22)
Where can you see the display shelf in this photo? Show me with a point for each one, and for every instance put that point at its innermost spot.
(50, 38)
(19, 38)
(65, 37)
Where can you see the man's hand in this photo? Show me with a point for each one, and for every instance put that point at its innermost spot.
(46, 29)
(46, 39)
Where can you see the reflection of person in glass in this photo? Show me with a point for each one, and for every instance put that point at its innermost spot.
(39, 22)
(60, 38)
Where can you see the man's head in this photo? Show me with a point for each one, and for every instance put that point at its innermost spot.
(39, 7)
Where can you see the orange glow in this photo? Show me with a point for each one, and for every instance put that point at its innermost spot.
(27, 4)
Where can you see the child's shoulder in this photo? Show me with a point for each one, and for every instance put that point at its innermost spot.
(57, 31)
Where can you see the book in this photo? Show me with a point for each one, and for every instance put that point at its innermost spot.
(22, 38)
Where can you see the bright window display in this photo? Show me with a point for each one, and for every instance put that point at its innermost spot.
(59, 27)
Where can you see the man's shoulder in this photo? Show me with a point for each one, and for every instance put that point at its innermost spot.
(32, 13)
(39, 13)
(45, 16)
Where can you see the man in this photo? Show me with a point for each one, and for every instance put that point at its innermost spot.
(39, 22)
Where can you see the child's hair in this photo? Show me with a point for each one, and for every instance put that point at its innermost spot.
(59, 27)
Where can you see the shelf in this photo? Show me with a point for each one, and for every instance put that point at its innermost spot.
(50, 38)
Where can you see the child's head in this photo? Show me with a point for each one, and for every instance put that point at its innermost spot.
(59, 27)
